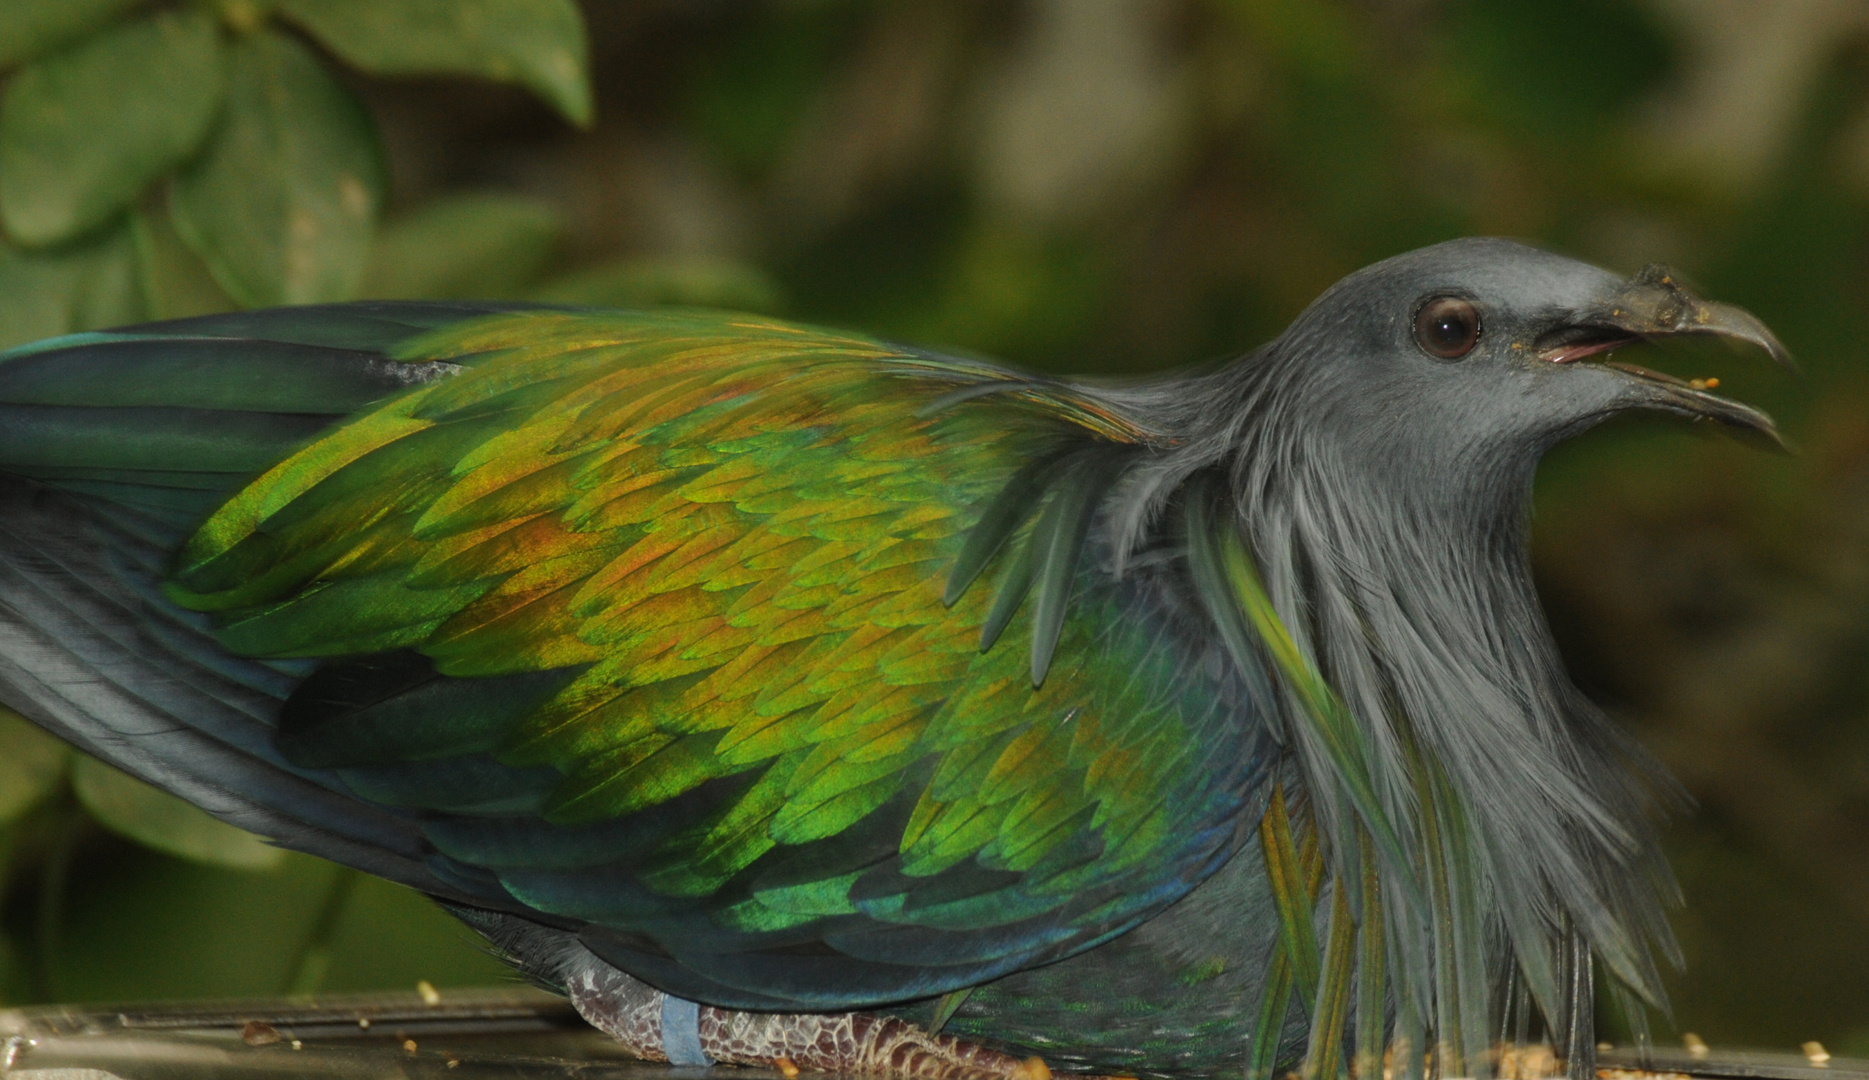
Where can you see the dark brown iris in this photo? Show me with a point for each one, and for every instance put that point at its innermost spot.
(1448, 327)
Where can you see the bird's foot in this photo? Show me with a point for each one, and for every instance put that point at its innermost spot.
(855, 1043)
(861, 1043)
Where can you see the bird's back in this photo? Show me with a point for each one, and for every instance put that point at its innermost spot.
(644, 627)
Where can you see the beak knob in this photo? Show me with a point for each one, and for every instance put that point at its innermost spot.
(1654, 304)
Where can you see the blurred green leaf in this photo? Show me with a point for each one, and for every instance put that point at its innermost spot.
(1020, 292)
(242, 16)
(175, 282)
(465, 246)
(538, 44)
(747, 99)
(32, 763)
(16, 983)
(30, 27)
(1318, 37)
(391, 935)
(282, 204)
(46, 293)
(155, 818)
(84, 131)
(1556, 70)
(715, 283)
(146, 925)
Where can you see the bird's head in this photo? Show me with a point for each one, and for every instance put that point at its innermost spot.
(1381, 453)
(1471, 358)
(1379, 456)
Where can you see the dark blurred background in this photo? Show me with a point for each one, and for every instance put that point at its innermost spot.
(1129, 185)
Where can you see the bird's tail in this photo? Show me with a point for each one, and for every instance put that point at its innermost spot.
(113, 447)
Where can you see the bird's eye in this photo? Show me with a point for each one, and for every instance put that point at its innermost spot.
(1447, 327)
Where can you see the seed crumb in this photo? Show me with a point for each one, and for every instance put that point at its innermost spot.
(259, 1033)
(409, 1045)
(430, 995)
(1815, 1053)
(786, 1068)
(1693, 1044)
(363, 1022)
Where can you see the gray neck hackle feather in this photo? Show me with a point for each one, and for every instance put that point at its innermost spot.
(1384, 498)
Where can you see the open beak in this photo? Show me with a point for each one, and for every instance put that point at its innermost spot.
(1653, 305)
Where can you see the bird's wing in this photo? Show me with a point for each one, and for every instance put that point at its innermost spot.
(114, 446)
(648, 618)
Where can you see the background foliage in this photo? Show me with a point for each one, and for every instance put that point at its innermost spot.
(1075, 185)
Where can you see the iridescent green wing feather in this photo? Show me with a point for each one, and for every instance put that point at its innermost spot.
(696, 572)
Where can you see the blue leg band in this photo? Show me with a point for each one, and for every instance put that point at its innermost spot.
(681, 1032)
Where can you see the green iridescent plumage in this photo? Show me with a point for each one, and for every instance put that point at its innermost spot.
(735, 539)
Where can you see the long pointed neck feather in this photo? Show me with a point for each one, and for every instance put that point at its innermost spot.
(1412, 594)
(1430, 630)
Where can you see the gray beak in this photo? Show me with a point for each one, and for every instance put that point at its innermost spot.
(1651, 305)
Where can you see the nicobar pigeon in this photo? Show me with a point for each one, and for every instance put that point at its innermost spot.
(787, 696)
